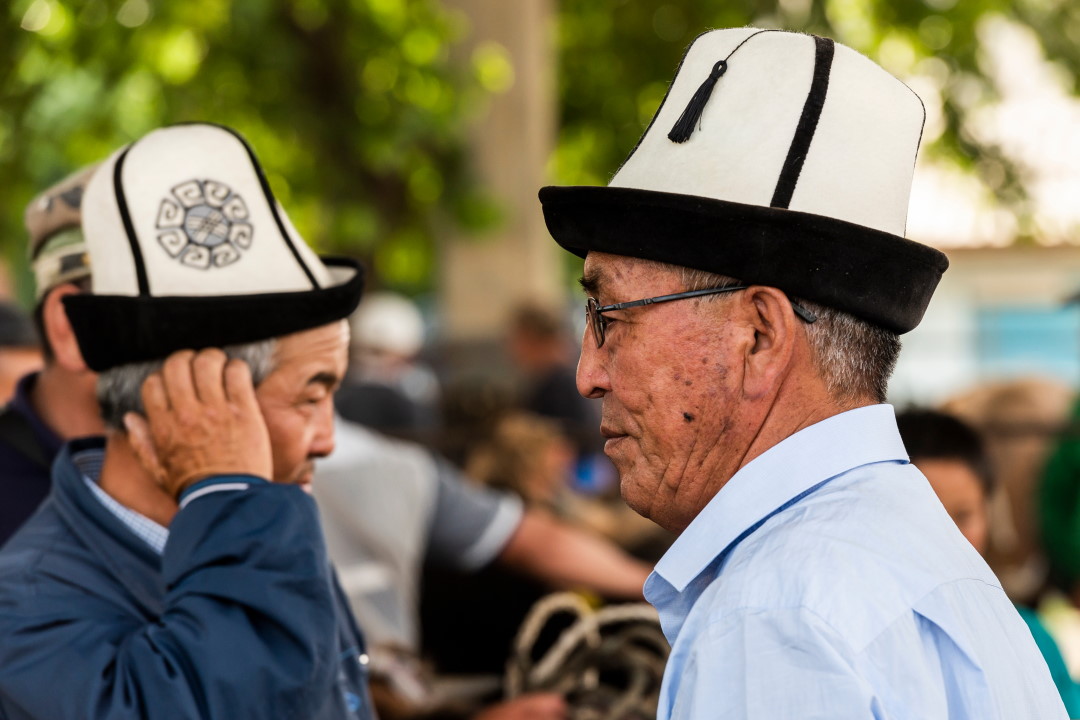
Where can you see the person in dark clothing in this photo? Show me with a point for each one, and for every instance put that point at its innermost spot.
(58, 403)
(540, 347)
(20, 350)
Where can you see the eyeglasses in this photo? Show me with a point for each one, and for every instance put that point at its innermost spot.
(594, 311)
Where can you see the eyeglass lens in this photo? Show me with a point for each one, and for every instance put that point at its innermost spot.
(595, 320)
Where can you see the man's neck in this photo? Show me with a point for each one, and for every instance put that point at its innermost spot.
(66, 402)
(787, 418)
(125, 479)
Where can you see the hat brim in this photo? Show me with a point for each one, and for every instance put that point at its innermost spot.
(114, 330)
(873, 275)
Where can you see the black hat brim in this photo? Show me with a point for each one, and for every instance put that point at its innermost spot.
(114, 330)
(882, 278)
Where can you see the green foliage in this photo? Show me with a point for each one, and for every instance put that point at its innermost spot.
(357, 108)
(353, 106)
(617, 56)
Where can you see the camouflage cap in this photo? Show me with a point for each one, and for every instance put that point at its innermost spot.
(54, 223)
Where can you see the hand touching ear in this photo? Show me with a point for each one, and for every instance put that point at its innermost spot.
(202, 419)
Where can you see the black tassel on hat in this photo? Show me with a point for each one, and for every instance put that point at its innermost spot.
(691, 116)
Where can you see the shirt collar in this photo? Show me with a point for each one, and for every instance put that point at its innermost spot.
(784, 472)
(153, 534)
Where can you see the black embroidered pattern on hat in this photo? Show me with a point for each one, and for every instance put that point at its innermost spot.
(205, 224)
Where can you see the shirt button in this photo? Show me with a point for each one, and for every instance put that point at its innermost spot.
(363, 658)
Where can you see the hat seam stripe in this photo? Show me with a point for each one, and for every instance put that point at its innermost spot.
(273, 207)
(129, 227)
(824, 51)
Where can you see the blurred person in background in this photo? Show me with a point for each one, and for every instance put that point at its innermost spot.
(540, 347)
(951, 455)
(20, 349)
(59, 403)
(387, 506)
(530, 456)
(1018, 420)
(389, 388)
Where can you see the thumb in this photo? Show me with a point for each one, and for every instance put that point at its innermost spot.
(142, 443)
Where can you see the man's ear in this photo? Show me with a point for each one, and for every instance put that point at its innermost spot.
(776, 330)
(58, 331)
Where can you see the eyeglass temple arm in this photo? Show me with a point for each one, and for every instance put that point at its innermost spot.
(799, 310)
(666, 298)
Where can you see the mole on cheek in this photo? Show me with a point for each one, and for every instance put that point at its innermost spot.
(688, 417)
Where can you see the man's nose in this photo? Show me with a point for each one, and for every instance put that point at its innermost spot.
(592, 377)
(322, 444)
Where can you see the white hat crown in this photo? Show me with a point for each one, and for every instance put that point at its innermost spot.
(189, 210)
(776, 158)
(828, 124)
(189, 249)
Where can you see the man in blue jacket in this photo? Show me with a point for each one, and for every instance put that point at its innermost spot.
(177, 568)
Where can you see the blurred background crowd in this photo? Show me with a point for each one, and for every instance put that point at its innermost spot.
(414, 135)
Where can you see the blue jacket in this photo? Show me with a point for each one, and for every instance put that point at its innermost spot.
(241, 617)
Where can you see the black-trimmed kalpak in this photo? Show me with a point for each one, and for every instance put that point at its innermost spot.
(189, 249)
(776, 158)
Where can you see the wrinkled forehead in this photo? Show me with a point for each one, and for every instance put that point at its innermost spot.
(325, 346)
(620, 276)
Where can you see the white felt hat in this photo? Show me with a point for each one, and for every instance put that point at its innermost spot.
(189, 249)
(776, 158)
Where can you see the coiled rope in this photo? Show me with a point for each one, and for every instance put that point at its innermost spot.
(608, 663)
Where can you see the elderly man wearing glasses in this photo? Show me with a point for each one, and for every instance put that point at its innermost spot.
(747, 281)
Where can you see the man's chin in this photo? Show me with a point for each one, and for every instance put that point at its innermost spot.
(304, 477)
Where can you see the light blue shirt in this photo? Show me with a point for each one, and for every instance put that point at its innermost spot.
(825, 580)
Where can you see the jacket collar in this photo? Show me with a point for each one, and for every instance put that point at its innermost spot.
(128, 557)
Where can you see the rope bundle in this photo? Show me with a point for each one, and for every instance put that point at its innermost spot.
(608, 663)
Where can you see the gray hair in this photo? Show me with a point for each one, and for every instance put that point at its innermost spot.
(119, 390)
(854, 358)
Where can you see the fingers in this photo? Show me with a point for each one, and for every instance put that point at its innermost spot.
(239, 387)
(138, 433)
(155, 399)
(179, 383)
(142, 443)
(207, 368)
